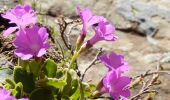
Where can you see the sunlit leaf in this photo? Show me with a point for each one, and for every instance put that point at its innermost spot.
(50, 68)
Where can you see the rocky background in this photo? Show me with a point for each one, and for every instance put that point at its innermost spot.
(143, 27)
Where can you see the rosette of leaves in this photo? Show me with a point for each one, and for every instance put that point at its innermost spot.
(45, 80)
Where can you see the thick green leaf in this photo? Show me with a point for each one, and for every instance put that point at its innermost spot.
(24, 64)
(67, 88)
(20, 75)
(59, 73)
(10, 84)
(73, 74)
(5, 73)
(18, 91)
(57, 83)
(72, 83)
(75, 92)
(74, 86)
(50, 68)
(51, 82)
(88, 89)
(42, 94)
(34, 67)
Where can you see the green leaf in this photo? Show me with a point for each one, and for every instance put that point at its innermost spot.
(74, 86)
(42, 94)
(67, 88)
(24, 64)
(65, 97)
(10, 84)
(92, 87)
(59, 73)
(88, 89)
(27, 79)
(18, 91)
(50, 68)
(73, 74)
(5, 73)
(34, 67)
(72, 83)
(75, 92)
(57, 83)
(51, 82)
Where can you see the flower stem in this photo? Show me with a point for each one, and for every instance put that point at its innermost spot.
(76, 54)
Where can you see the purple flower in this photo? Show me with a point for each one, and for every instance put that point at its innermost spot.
(5, 95)
(103, 31)
(114, 62)
(87, 18)
(22, 16)
(116, 85)
(31, 42)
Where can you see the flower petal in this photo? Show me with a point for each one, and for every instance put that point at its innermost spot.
(125, 94)
(122, 83)
(41, 52)
(10, 30)
(24, 55)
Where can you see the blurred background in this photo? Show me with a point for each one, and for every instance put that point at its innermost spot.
(143, 27)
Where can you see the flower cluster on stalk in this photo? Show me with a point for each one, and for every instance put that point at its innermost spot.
(114, 83)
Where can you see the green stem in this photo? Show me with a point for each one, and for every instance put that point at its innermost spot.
(76, 54)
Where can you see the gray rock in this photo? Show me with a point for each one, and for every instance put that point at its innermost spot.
(156, 57)
(137, 13)
(142, 13)
(8, 3)
(5, 73)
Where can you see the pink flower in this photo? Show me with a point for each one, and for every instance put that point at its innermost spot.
(103, 31)
(114, 62)
(31, 42)
(5, 95)
(116, 85)
(22, 16)
(87, 18)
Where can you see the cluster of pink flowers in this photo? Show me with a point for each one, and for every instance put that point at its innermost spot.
(22, 16)
(102, 28)
(6, 95)
(114, 82)
(31, 40)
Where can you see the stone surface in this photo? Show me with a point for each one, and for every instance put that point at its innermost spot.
(141, 12)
